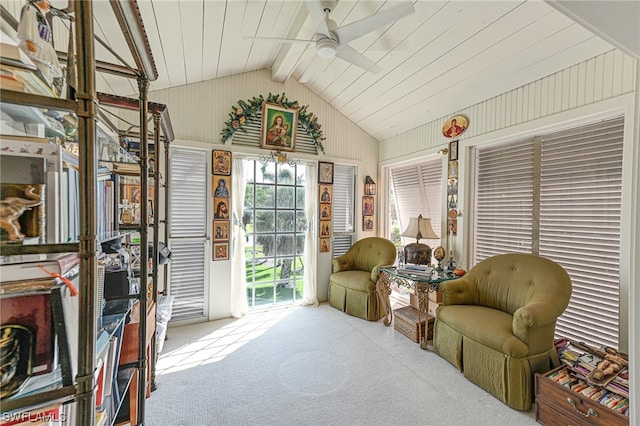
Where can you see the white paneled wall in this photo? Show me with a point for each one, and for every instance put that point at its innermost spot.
(198, 112)
(606, 76)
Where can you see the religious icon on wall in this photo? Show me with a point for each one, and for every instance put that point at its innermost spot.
(279, 125)
(221, 163)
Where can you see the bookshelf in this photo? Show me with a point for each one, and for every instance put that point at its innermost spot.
(58, 142)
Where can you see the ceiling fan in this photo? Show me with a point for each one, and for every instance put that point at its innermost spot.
(332, 41)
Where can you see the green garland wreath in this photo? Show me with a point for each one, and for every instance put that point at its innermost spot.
(246, 111)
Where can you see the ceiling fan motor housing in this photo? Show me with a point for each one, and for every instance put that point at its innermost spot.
(326, 47)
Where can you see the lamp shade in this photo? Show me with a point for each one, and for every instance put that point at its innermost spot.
(420, 228)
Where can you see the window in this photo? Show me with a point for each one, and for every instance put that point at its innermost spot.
(343, 208)
(416, 190)
(559, 196)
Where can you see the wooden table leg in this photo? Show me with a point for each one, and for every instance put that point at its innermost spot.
(383, 287)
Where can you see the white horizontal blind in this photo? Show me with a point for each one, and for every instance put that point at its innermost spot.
(432, 179)
(187, 280)
(503, 199)
(343, 208)
(577, 179)
(580, 203)
(188, 188)
(418, 191)
(188, 231)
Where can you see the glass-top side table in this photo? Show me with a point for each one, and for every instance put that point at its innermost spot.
(418, 283)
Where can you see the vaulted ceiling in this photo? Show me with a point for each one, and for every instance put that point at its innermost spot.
(444, 57)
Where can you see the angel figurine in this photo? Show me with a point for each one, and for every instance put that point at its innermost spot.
(36, 39)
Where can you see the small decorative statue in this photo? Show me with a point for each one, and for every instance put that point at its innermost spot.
(36, 39)
(11, 208)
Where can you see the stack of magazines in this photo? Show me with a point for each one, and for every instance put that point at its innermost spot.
(422, 271)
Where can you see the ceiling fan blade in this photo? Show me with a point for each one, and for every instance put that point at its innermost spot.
(363, 26)
(351, 55)
(280, 39)
(319, 18)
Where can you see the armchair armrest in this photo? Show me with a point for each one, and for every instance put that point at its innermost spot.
(535, 315)
(456, 292)
(342, 263)
(375, 272)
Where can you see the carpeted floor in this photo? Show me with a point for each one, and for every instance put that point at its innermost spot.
(312, 366)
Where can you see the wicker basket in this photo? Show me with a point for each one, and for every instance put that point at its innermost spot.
(405, 320)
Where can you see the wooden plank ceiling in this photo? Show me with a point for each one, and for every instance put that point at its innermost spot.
(444, 57)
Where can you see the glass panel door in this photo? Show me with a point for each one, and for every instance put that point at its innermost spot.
(275, 224)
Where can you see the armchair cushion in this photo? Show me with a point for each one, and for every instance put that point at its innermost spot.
(352, 285)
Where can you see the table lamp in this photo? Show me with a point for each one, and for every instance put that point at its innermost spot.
(417, 253)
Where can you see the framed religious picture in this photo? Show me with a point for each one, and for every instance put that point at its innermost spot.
(221, 162)
(452, 186)
(453, 169)
(325, 245)
(221, 230)
(367, 223)
(453, 150)
(279, 125)
(220, 251)
(455, 126)
(325, 228)
(221, 208)
(325, 211)
(325, 172)
(221, 186)
(367, 206)
(326, 193)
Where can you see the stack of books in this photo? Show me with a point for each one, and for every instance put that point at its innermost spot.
(580, 362)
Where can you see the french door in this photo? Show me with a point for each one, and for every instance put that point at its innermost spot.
(275, 225)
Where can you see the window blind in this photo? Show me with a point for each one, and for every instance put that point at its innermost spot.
(580, 204)
(559, 195)
(503, 202)
(418, 191)
(188, 230)
(343, 208)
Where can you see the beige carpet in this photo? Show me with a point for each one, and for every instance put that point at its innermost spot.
(312, 366)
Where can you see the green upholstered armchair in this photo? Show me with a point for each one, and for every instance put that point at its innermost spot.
(497, 323)
(352, 285)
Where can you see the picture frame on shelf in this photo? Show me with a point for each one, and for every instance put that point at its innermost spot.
(279, 127)
(220, 251)
(221, 162)
(325, 172)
